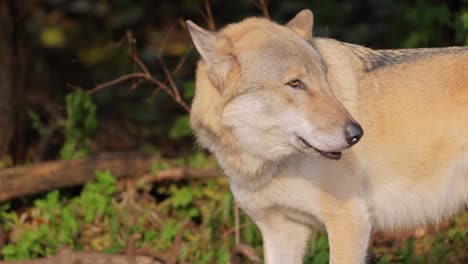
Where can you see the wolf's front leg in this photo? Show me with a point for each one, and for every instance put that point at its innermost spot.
(348, 229)
(284, 240)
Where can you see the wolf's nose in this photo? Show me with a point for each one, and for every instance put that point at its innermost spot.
(353, 133)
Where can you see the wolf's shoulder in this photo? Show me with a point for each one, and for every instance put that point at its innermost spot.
(374, 59)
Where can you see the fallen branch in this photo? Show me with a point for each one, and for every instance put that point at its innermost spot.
(161, 256)
(178, 174)
(247, 251)
(43, 177)
(67, 256)
(47, 176)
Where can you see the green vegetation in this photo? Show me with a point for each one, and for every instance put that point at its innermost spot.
(81, 123)
(105, 214)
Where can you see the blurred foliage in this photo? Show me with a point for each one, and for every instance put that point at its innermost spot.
(106, 214)
(80, 124)
(55, 223)
(81, 43)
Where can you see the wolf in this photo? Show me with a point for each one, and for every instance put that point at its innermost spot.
(314, 132)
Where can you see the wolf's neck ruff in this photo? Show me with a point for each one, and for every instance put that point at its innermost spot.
(243, 169)
(377, 59)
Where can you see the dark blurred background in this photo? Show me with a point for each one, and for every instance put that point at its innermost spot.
(56, 47)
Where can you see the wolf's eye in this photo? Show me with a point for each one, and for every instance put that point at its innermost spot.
(297, 84)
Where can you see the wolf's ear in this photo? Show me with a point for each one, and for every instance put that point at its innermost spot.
(302, 23)
(215, 50)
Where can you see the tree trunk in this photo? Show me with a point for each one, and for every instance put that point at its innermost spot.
(8, 61)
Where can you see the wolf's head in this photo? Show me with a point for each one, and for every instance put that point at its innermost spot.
(262, 89)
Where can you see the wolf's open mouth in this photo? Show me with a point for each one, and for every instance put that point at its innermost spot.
(330, 155)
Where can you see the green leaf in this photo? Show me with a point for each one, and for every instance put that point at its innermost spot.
(169, 231)
(189, 90)
(52, 37)
(80, 124)
(36, 122)
(226, 206)
(105, 178)
(181, 128)
(159, 166)
(181, 197)
(9, 250)
(321, 258)
(222, 255)
(322, 243)
(198, 160)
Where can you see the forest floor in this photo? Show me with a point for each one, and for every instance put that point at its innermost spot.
(189, 220)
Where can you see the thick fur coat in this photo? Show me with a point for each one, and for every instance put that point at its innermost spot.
(276, 106)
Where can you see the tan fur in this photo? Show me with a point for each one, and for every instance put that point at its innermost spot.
(409, 169)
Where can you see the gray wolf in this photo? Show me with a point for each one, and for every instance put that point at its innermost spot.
(281, 109)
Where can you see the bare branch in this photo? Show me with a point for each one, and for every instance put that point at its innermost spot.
(116, 81)
(236, 223)
(171, 80)
(263, 4)
(171, 90)
(172, 259)
(208, 16)
(164, 41)
(182, 60)
(248, 252)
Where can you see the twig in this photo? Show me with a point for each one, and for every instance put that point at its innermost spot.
(236, 224)
(172, 259)
(171, 81)
(171, 90)
(175, 92)
(182, 60)
(263, 4)
(132, 51)
(164, 41)
(248, 252)
(148, 78)
(130, 252)
(158, 255)
(136, 84)
(116, 81)
(208, 16)
(233, 230)
(177, 174)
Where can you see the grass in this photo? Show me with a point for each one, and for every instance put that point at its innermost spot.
(106, 213)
